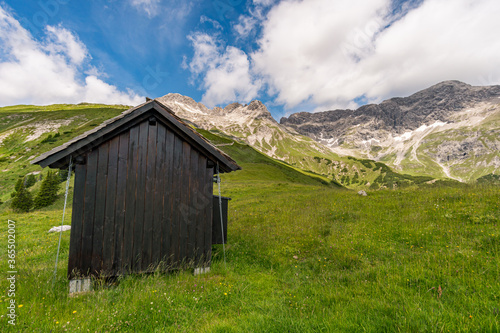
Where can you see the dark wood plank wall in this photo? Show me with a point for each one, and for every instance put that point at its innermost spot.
(99, 205)
(159, 224)
(168, 201)
(208, 190)
(108, 250)
(184, 203)
(174, 195)
(142, 198)
(148, 233)
(121, 188)
(128, 232)
(193, 211)
(75, 242)
(88, 212)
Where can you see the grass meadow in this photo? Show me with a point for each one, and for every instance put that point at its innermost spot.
(301, 257)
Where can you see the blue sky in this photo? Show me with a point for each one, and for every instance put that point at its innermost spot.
(308, 55)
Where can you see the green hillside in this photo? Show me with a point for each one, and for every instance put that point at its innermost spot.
(303, 255)
(259, 168)
(26, 131)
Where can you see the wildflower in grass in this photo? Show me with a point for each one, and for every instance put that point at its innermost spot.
(74, 311)
(20, 306)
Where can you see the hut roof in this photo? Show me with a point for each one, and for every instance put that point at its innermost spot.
(59, 156)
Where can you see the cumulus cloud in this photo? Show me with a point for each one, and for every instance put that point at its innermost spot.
(225, 72)
(330, 52)
(438, 41)
(50, 71)
(245, 25)
(64, 43)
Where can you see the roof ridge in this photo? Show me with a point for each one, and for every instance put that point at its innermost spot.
(59, 156)
(195, 132)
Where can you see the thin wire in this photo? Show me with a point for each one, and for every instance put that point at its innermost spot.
(62, 222)
(221, 221)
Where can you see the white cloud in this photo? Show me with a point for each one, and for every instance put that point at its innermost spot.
(206, 52)
(329, 52)
(50, 71)
(150, 7)
(226, 72)
(168, 10)
(438, 41)
(300, 51)
(216, 25)
(245, 25)
(263, 2)
(98, 91)
(63, 42)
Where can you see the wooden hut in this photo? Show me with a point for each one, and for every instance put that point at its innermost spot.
(142, 194)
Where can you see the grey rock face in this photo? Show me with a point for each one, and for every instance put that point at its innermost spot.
(446, 130)
(455, 124)
(395, 115)
(204, 117)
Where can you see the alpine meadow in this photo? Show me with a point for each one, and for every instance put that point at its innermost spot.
(305, 252)
(260, 166)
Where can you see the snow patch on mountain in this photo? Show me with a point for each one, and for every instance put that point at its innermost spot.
(407, 135)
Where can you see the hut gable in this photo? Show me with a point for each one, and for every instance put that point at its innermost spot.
(59, 156)
(142, 193)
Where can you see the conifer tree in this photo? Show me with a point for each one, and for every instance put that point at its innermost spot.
(48, 191)
(22, 200)
(30, 180)
(63, 175)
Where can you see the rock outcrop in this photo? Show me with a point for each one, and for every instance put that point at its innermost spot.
(435, 131)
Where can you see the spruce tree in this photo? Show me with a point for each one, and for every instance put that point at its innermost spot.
(48, 191)
(63, 175)
(22, 200)
(30, 180)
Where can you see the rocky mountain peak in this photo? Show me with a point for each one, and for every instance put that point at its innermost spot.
(181, 104)
(420, 131)
(260, 110)
(254, 105)
(436, 103)
(231, 107)
(174, 100)
(447, 96)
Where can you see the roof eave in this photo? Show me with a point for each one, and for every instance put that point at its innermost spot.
(59, 157)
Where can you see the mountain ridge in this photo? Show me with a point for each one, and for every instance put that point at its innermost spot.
(458, 138)
(414, 134)
(253, 124)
